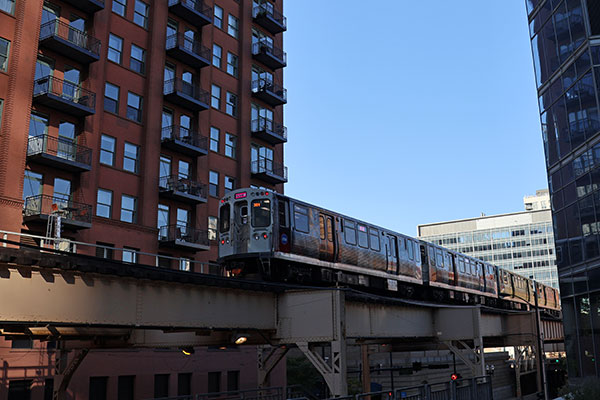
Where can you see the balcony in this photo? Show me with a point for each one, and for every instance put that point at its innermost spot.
(186, 94)
(269, 92)
(182, 189)
(183, 140)
(64, 96)
(269, 131)
(74, 215)
(59, 153)
(269, 55)
(269, 18)
(89, 6)
(183, 237)
(193, 11)
(269, 171)
(188, 51)
(70, 42)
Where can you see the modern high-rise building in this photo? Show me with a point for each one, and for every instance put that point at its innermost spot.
(130, 119)
(521, 241)
(565, 38)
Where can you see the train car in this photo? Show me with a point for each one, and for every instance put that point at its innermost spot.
(547, 297)
(277, 237)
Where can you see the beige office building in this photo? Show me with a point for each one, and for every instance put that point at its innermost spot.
(521, 241)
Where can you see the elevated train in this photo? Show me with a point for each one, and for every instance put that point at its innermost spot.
(275, 237)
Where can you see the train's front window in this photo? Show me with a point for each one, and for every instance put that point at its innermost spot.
(261, 213)
(224, 218)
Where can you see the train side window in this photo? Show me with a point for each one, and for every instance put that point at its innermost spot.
(363, 237)
(374, 239)
(349, 232)
(439, 258)
(330, 229)
(461, 265)
(322, 226)
(432, 256)
(411, 249)
(224, 218)
(283, 214)
(447, 261)
(301, 218)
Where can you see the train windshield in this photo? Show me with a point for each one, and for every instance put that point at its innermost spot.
(261, 213)
(224, 218)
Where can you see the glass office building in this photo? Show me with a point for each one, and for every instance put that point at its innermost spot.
(565, 40)
(522, 241)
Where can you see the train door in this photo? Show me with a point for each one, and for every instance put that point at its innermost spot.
(391, 254)
(283, 215)
(327, 238)
(240, 234)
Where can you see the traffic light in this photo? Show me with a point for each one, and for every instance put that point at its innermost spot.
(454, 377)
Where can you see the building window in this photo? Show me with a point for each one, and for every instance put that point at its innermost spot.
(232, 64)
(115, 48)
(8, 6)
(231, 106)
(215, 100)
(128, 208)
(140, 15)
(217, 54)
(32, 184)
(134, 107)
(119, 7)
(19, 389)
(111, 98)
(212, 228)
(98, 388)
(131, 157)
(163, 220)
(38, 125)
(213, 180)
(104, 203)
(161, 385)
(26, 343)
(1, 107)
(214, 139)
(233, 381)
(4, 50)
(184, 384)
(105, 250)
(126, 387)
(107, 150)
(232, 26)
(218, 20)
(137, 61)
(229, 184)
(130, 255)
(184, 264)
(214, 382)
(230, 145)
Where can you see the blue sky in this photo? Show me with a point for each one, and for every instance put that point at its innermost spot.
(409, 112)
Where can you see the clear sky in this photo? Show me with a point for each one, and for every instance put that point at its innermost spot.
(407, 112)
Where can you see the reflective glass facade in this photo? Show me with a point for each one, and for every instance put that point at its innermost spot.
(566, 54)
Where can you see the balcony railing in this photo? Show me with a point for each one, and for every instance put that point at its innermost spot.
(194, 11)
(268, 130)
(269, 92)
(184, 237)
(187, 50)
(89, 6)
(64, 96)
(183, 189)
(269, 18)
(186, 94)
(184, 140)
(269, 171)
(58, 152)
(273, 57)
(75, 215)
(71, 42)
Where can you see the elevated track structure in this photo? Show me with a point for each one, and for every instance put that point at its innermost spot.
(86, 302)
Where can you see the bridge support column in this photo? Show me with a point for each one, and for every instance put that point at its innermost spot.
(334, 370)
(474, 320)
(268, 358)
(65, 371)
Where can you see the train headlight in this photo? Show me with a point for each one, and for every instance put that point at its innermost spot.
(256, 236)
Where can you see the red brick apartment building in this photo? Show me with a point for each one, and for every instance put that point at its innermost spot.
(130, 118)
